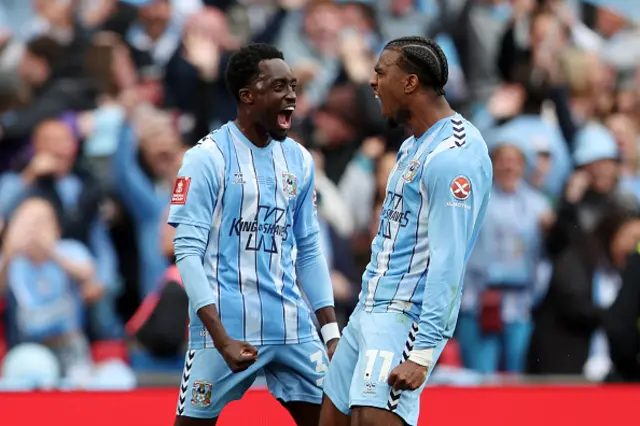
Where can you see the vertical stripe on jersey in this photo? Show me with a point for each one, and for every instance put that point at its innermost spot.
(290, 309)
(240, 283)
(247, 273)
(257, 237)
(383, 257)
(420, 262)
(275, 264)
(419, 259)
(213, 248)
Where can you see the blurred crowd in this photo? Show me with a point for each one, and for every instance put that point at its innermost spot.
(99, 99)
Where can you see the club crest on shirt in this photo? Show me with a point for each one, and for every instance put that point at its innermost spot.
(201, 393)
(289, 184)
(461, 188)
(411, 171)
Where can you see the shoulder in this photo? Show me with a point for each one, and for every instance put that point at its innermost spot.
(298, 152)
(208, 153)
(214, 144)
(450, 162)
(405, 147)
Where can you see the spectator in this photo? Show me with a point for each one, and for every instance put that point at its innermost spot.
(98, 97)
(621, 325)
(145, 192)
(495, 324)
(50, 279)
(592, 190)
(51, 174)
(569, 337)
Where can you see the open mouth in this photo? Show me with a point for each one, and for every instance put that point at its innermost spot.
(284, 117)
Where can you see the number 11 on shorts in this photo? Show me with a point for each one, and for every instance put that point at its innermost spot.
(385, 368)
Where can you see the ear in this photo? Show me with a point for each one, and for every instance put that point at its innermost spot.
(411, 84)
(246, 96)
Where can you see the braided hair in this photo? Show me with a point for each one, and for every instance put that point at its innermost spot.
(424, 58)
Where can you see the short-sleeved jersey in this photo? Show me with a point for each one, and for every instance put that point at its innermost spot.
(256, 202)
(437, 191)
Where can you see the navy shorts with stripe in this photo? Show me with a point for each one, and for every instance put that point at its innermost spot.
(372, 345)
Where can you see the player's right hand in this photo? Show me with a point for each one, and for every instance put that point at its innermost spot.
(238, 355)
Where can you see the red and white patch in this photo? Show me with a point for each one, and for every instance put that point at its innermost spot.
(461, 188)
(180, 190)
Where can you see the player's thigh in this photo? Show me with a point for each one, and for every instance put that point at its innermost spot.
(192, 421)
(208, 385)
(303, 413)
(296, 372)
(385, 340)
(371, 416)
(337, 383)
(330, 415)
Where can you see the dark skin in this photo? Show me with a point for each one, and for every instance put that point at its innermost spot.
(260, 103)
(407, 102)
(271, 92)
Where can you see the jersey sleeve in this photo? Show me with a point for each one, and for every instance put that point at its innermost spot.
(455, 193)
(305, 220)
(195, 191)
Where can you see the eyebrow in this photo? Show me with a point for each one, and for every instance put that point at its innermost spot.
(292, 80)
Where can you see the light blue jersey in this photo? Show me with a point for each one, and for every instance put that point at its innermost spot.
(246, 232)
(256, 202)
(437, 196)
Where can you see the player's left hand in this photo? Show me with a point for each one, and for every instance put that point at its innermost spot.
(331, 347)
(407, 376)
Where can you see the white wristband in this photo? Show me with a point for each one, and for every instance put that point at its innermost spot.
(423, 357)
(330, 331)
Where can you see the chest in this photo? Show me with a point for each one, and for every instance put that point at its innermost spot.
(35, 285)
(512, 217)
(263, 183)
(404, 184)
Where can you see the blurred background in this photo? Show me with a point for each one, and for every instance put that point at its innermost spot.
(99, 99)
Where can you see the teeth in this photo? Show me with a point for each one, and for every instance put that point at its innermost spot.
(291, 108)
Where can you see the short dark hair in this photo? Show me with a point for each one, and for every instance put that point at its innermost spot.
(244, 65)
(423, 57)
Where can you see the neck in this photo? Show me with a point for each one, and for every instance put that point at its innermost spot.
(253, 132)
(426, 113)
(508, 187)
